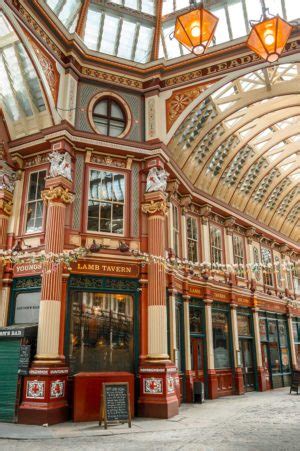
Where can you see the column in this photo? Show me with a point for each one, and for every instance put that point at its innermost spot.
(259, 364)
(172, 325)
(238, 373)
(158, 375)
(292, 341)
(48, 375)
(211, 372)
(189, 376)
(6, 207)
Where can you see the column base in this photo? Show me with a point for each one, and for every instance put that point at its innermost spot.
(159, 384)
(44, 397)
(262, 382)
(212, 384)
(239, 382)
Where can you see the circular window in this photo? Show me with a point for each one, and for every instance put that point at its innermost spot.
(109, 115)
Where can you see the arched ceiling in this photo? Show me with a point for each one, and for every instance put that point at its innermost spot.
(21, 96)
(242, 145)
(140, 30)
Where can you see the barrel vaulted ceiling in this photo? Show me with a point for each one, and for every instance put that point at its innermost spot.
(242, 146)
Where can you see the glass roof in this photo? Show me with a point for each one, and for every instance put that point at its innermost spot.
(20, 92)
(246, 152)
(125, 28)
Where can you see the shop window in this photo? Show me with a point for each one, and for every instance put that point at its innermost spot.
(244, 329)
(297, 279)
(34, 203)
(216, 244)
(179, 335)
(27, 307)
(263, 329)
(266, 258)
(192, 239)
(109, 117)
(256, 262)
(238, 253)
(195, 320)
(175, 230)
(220, 326)
(101, 332)
(106, 202)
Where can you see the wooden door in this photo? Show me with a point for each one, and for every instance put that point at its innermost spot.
(197, 358)
(247, 362)
(266, 364)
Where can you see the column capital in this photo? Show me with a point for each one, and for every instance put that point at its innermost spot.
(208, 301)
(186, 297)
(6, 207)
(58, 194)
(155, 203)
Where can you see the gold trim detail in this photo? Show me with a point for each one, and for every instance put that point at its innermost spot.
(58, 194)
(6, 206)
(155, 207)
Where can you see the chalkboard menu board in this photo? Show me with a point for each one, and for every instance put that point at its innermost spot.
(24, 359)
(115, 404)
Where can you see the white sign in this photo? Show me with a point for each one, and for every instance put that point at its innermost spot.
(27, 308)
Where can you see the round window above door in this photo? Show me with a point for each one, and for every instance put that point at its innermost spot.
(110, 115)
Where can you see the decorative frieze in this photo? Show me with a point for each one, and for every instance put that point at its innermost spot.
(153, 386)
(6, 206)
(58, 193)
(108, 161)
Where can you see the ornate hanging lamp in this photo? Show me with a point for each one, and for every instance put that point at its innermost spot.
(195, 29)
(269, 36)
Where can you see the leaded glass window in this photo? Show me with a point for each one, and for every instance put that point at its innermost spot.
(238, 253)
(175, 230)
(192, 239)
(220, 326)
(34, 203)
(216, 244)
(106, 202)
(109, 117)
(266, 258)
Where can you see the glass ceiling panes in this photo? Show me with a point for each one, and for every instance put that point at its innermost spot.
(121, 36)
(234, 16)
(20, 92)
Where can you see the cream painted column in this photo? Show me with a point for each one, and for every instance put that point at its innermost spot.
(292, 341)
(229, 223)
(205, 239)
(57, 196)
(184, 237)
(187, 337)
(170, 226)
(13, 225)
(235, 334)
(209, 335)
(172, 322)
(257, 337)
(155, 207)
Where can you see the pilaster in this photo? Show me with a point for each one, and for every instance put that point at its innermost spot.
(211, 373)
(238, 374)
(259, 364)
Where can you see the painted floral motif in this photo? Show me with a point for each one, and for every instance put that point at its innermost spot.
(153, 386)
(170, 385)
(35, 389)
(57, 389)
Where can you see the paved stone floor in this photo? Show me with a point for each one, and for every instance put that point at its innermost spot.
(255, 421)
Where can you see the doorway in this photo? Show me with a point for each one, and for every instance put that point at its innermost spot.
(197, 358)
(246, 348)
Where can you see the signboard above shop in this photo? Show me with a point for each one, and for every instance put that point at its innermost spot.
(105, 268)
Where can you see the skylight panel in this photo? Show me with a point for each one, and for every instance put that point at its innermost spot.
(275, 7)
(222, 31)
(292, 9)
(92, 29)
(169, 6)
(67, 11)
(110, 32)
(127, 39)
(145, 6)
(144, 44)
(225, 106)
(237, 20)
(254, 9)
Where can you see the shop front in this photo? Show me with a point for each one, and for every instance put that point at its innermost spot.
(275, 349)
(102, 338)
(198, 342)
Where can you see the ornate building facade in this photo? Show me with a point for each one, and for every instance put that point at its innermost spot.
(149, 208)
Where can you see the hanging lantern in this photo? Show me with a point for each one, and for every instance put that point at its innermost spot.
(195, 29)
(269, 36)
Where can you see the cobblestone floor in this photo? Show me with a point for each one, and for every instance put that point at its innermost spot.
(255, 421)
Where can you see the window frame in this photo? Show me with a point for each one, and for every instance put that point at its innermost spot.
(242, 271)
(126, 203)
(176, 231)
(26, 202)
(196, 241)
(108, 118)
(267, 273)
(213, 225)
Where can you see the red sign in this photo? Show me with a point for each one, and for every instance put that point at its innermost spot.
(27, 269)
(105, 268)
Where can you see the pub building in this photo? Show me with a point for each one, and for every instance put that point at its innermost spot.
(168, 183)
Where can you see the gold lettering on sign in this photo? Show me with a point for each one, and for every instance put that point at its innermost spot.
(104, 268)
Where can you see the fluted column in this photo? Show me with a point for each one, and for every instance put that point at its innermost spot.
(156, 208)
(6, 205)
(57, 196)
(259, 363)
(172, 324)
(292, 341)
(187, 336)
(211, 372)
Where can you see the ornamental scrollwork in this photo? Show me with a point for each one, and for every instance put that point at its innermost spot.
(58, 193)
(155, 207)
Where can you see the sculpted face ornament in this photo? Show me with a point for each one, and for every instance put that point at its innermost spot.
(156, 180)
(60, 165)
(7, 179)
